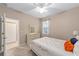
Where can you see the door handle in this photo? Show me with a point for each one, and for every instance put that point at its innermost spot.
(3, 33)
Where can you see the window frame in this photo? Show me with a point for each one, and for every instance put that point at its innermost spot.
(43, 31)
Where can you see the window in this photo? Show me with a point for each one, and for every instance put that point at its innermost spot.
(45, 27)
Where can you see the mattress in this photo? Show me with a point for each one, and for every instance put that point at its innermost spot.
(49, 47)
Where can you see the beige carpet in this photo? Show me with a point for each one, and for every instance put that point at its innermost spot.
(19, 51)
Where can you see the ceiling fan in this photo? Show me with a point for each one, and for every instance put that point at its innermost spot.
(41, 7)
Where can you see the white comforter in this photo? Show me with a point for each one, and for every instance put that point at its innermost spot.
(49, 47)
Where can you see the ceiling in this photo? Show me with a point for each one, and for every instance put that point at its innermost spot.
(52, 9)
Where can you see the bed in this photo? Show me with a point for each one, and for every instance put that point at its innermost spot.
(49, 47)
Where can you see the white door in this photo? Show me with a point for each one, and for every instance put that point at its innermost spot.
(11, 32)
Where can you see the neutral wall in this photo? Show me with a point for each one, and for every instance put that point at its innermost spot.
(62, 25)
(24, 21)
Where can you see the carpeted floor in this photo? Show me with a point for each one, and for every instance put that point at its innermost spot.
(20, 51)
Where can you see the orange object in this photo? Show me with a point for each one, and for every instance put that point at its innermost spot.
(68, 46)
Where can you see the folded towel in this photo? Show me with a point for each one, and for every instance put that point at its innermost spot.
(68, 46)
(76, 48)
(73, 40)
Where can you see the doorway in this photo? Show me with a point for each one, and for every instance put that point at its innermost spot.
(11, 34)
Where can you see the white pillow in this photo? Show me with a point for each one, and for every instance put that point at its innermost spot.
(76, 48)
(77, 37)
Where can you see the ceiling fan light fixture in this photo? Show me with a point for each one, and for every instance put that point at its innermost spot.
(41, 7)
(41, 10)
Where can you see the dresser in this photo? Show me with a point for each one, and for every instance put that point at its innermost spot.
(32, 36)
